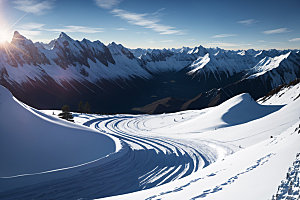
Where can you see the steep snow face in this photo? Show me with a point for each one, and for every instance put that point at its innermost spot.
(164, 60)
(267, 64)
(199, 63)
(222, 61)
(278, 70)
(32, 142)
(273, 67)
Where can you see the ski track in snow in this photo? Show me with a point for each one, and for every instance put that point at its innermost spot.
(217, 188)
(143, 162)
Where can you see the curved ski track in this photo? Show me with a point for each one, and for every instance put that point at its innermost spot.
(143, 162)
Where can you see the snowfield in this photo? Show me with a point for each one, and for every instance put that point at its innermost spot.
(32, 143)
(240, 149)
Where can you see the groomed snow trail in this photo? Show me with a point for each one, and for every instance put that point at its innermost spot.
(143, 162)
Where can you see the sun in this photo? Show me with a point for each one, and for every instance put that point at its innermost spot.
(4, 35)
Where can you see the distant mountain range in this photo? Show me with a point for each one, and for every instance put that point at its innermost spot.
(115, 79)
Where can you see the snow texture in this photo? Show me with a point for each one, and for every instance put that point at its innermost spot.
(215, 153)
(34, 143)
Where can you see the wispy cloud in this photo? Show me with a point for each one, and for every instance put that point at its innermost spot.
(107, 4)
(226, 44)
(75, 29)
(30, 33)
(146, 21)
(37, 7)
(295, 40)
(35, 29)
(121, 29)
(276, 31)
(31, 29)
(247, 21)
(31, 26)
(224, 35)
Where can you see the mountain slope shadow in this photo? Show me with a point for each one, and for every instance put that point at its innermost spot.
(247, 109)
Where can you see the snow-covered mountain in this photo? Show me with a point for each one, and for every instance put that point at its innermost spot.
(48, 75)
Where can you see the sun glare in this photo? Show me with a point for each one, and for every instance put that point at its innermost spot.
(4, 36)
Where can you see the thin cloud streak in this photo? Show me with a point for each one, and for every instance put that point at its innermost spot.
(34, 6)
(145, 21)
(226, 44)
(121, 29)
(224, 35)
(107, 4)
(32, 25)
(35, 29)
(294, 40)
(76, 29)
(276, 31)
(247, 21)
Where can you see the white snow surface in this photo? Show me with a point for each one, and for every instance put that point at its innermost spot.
(266, 147)
(32, 142)
(199, 63)
(285, 96)
(240, 149)
(267, 64)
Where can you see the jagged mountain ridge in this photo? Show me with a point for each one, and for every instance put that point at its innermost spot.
(67, 70)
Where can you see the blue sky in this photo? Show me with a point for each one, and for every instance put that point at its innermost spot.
(229, 24)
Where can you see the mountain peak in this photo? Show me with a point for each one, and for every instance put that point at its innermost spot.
(64, 36)
(18, 36)
(20, 40)
(113, 44)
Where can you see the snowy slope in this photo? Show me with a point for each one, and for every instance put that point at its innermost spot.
(32, 142)
(286, 95)
(278, 70)
(215, 153)
(253, 172)
(268, 64)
